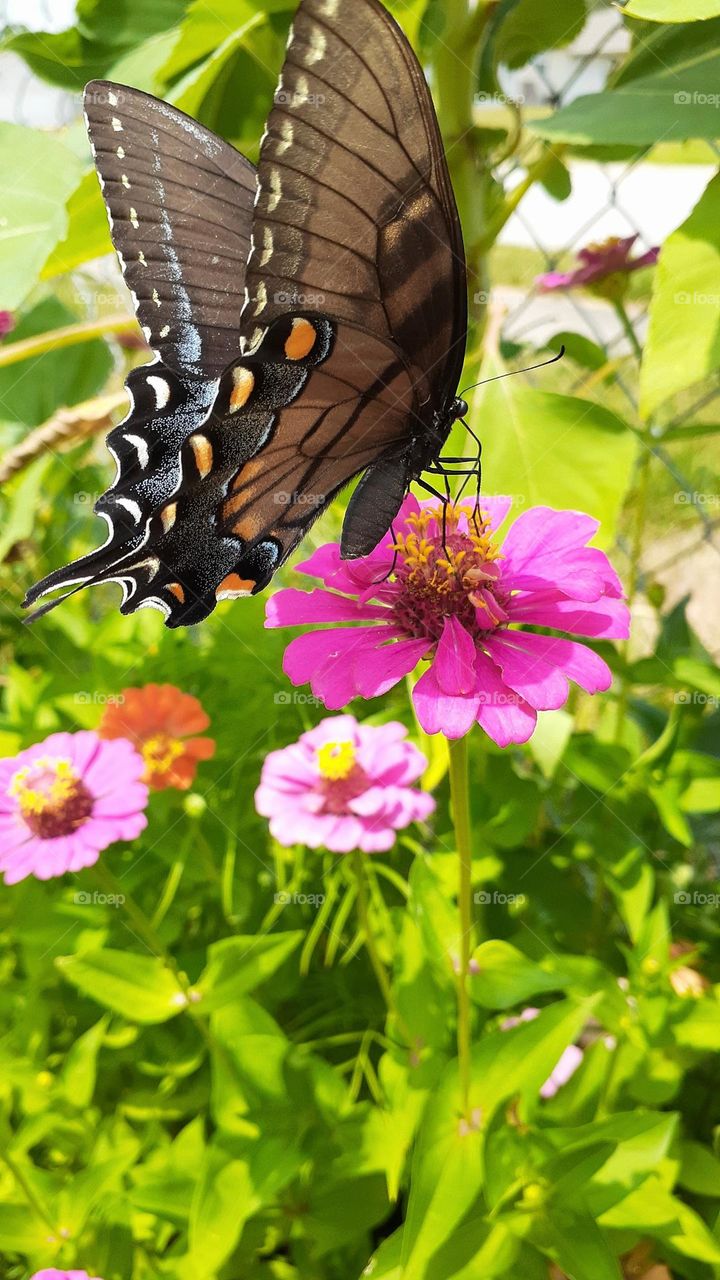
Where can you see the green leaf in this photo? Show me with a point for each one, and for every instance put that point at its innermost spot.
(20, 507)
(667, 89)
(538, 438)
(683, 343)
(39, 174)
(239, 964)
(576, 1243)
(21, 1231)
(578, 348)
(533, 26)
(547, 744)
(221, 1205)
(31, 390)
(672, 10)
(88, 233)
(62, 58)
(436, 918)
(632, 881)
(503, 976)
(699, 1169)
(141, 988)
(79, 1069)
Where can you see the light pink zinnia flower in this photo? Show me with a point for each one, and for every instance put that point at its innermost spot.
(344, 786)
(64, 800)
(460, 610)
(51, 1273)
(597, 262)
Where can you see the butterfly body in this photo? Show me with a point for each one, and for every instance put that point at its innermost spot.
(308, 319)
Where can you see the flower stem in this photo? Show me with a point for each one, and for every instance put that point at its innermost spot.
(628, 327)
(69, 335)
(115, 888)
(460, 796)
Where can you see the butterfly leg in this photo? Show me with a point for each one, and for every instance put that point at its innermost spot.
(391, 570)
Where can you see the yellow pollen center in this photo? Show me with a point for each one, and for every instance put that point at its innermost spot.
(51, 797)
(160, 753)
(451, 572)
(45, 784)
(336, 760)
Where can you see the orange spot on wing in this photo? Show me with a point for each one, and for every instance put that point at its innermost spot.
(233, 585)
(301, 339)
(203, 454)
(243, 382)
(177, 591)
(167, 515)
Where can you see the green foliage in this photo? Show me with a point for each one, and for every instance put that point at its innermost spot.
(204, 1081)
(688, 277)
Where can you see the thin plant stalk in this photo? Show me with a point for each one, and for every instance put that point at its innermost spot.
(460, 797)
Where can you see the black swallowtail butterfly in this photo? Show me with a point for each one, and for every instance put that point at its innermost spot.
(308, 319)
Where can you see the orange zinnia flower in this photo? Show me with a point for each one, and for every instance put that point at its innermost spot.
(159, 720)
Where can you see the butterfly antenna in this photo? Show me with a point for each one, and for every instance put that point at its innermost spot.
(511, 372)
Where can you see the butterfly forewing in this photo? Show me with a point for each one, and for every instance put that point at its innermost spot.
(356, 211)
(180, 205)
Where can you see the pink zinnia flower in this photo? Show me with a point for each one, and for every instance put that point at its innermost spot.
(465, 606)
(344, 786)
(597, 262)
(7, 322)
(64, 800)
(52, 1273)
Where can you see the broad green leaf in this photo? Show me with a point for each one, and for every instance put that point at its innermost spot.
(698, 1027)
(21, 1231)
(63, 58)
(79, 1069)
(39, 175)
(31, 390)
(553, 450)
(141, 988)
(517, 1062)
(576, 1243)
(436, 918)
(672, 10)
(478, 1250)
(552, 734)
(502, 976)
(238, 965)
(447, 1165)
(667, 89)
(223, 1201)
(21, 503)
(683, 343)
(699, 1169)
(653, 1210)
(88, 234)
(632, 882)
(207, 26)
(533, 26)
